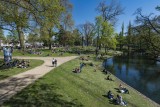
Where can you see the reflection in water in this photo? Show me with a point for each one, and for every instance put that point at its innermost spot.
(142, 74)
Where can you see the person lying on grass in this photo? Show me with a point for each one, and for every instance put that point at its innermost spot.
(123, 89)
(110, 95)
(120, 101)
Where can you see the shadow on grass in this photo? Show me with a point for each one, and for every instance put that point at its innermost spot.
(40, 95)
(3, 77)
(117, 89)
(4, 67)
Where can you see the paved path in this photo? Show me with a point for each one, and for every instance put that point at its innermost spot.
(14, 84)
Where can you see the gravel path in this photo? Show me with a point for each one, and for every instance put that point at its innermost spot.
(14, 84)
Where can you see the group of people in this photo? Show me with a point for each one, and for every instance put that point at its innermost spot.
(17, 63)
(76, 70)
(79, 69)
(54, 62)
(23, 64)
(118, 100)
(109, 75)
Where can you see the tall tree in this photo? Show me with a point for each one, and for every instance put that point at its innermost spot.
(110, 12)
(87, 31)
(14, 18)
(108, 37)
(121, 37)
(77, 37)
(129, 36)
(98, 28)
(66, 17)
(50, 18)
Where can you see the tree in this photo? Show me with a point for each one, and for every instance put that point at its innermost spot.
(129, 36)
(77, 37)
(108, 38)
(12, 38)
(2, 34)
(121, 38)
(149, 29)
(34, 37)
(87, 31)
(50, 19)
(62, 36)
(2, 38)
(14, 18)
(98, 28)
(110, 12)
(24, 14)
(66, 17)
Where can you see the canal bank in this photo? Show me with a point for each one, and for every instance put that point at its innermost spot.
(121, 74)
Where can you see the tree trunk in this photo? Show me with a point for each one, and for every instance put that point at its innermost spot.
(128, 49)
(82, 41)
(21, 38)
(105, 49)
(49, 39)
(97, 46)
(120, 47)
(50, 45)
(87, 40)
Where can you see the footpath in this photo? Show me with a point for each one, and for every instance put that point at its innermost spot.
(10, 86)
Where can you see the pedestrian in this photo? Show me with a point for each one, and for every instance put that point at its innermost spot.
(53, 62)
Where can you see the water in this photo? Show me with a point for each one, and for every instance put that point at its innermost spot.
(141, 74)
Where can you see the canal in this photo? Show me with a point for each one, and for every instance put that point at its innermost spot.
(138, 72)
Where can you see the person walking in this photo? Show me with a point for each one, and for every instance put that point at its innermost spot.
(53, 62)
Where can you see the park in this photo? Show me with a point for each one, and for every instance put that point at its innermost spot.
(79, 53)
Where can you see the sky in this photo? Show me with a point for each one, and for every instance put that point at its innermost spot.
(85, 10)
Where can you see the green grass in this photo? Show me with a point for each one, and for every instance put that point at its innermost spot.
(72, 52)
(45, 53)
(63, 88)
(4, 73)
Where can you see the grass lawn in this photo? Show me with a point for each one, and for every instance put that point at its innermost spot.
(4, 73)
(71, 52)
(44, 51)
(63, 88)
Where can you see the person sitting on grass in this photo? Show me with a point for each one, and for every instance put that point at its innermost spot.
(109, 78)
(105, 71)
(76, 70)
(123, 89)
(110, 95)
(123, 103)
(120, 101)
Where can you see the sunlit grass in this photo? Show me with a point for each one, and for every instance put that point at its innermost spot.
(74, 89)
(7, 72)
